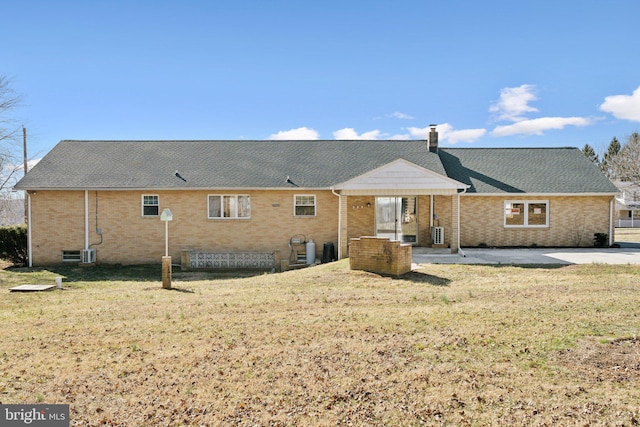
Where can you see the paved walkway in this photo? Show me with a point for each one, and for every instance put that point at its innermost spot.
(558, 256)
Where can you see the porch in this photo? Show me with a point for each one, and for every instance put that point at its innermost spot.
(400, 201)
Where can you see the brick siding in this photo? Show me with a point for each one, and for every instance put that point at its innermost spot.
(57, 221)
(572, 222)
(380, 255)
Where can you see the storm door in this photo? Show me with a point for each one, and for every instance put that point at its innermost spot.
(397, 218)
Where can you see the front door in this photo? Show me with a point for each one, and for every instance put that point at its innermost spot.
(397, 218)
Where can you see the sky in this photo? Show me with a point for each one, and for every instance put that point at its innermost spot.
(489, 74)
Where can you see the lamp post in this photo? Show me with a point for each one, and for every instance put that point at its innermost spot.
(166, 216)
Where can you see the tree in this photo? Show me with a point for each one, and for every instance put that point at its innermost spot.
(626, 164)
(606, 165)
(8, 101)
(10, 163)
(590, 153)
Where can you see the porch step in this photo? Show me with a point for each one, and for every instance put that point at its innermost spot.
(422, 250)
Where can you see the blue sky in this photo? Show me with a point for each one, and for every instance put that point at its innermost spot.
(490, 74)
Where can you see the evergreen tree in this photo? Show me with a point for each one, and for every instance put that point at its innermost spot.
(590, 153)
(606, 166)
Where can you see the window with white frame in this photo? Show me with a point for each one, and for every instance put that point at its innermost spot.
(150, 205)
(229, 206)
(524, 213)
(304, 205)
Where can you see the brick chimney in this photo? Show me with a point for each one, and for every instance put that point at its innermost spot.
(433, 139)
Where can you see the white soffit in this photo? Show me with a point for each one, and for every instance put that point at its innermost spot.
(400, 177)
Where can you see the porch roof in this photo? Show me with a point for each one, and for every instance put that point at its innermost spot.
(400, 178)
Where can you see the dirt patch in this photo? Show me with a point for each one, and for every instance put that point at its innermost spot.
(615, 360)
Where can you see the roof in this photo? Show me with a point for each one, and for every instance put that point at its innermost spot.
(152, 165)
(559, 170)
(216, 164)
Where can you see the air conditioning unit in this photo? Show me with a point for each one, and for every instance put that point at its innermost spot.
(88, 256)
(437, 235)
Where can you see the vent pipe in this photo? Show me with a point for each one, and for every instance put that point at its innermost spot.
(433, 139)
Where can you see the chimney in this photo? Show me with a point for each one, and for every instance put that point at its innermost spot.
(433, 139)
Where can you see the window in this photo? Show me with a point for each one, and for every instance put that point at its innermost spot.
(150, 205)
(526, 214)
(71, 256)
(305, 205)
(229, 206)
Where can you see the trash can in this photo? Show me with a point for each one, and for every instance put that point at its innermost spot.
(328, 253)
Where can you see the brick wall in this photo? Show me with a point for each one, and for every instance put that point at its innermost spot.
(379, 255)
(572, 222)
(57, 220)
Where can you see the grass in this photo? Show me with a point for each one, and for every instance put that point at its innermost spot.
(444, 345)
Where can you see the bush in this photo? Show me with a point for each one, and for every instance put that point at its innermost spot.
(600, 240)
(13, 244)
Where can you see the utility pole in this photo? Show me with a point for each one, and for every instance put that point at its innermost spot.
(24, 148)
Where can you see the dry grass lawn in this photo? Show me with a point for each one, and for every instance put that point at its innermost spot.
(445, 345)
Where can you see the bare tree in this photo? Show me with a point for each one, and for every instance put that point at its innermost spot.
(626, 164)
(8, 101)
(11, 164)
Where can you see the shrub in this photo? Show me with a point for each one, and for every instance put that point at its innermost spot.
(13, 244)
(600, 240)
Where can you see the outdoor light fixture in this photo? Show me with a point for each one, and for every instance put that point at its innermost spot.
(166, 216)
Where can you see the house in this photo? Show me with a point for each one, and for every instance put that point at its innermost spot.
(104, 198)
(627, 205)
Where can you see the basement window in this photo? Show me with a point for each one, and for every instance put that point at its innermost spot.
(71, 256)
(150, 205)
(523, 213)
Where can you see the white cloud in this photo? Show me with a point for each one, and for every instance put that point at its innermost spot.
(514, 102)
(421, 133)
(350, 133)
(538, 126)
(448, 134)
(399, 115)
(400, 137)
(625, 107)
(296, 134)
(464, 135)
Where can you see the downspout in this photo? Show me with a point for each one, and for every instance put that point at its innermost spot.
(460, 251)
(29, 246)
(86, 219)
(431, 216)
(611, 221)
(339, 222)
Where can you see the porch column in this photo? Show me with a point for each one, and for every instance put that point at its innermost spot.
(343, 243)
(455, 223)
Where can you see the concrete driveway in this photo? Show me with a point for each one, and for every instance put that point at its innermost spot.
(555, 256)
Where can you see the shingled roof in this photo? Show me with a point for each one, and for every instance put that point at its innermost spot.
(217, 164)
(152, 165)
(561, 170)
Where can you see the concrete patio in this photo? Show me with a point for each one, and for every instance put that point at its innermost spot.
(627, 254)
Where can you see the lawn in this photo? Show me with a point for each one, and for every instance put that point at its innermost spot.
(444, 345)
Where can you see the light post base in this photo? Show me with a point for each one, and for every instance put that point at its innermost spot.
(166, 272)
